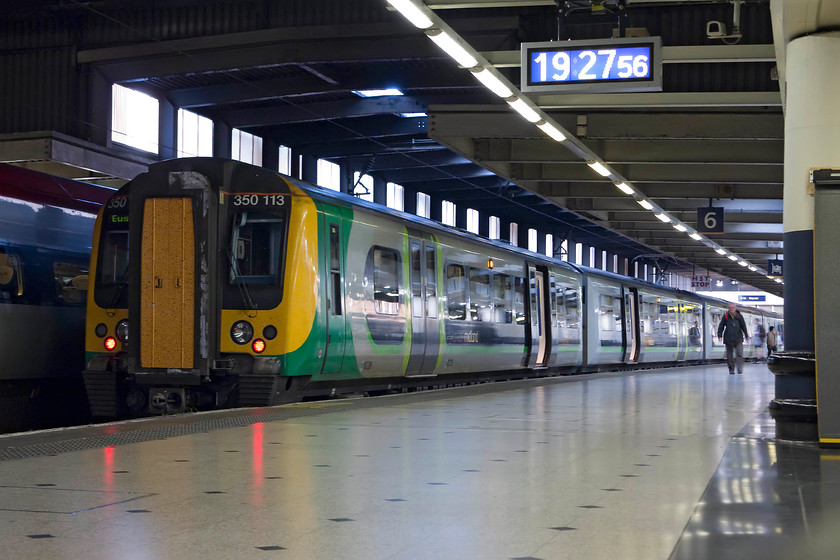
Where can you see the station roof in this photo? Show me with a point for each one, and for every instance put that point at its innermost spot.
(286, 71)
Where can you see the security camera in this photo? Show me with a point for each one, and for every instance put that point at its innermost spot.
(715, 29)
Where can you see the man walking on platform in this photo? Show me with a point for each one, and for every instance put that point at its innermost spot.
(733, 330)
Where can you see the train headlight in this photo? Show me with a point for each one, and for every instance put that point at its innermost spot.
(122, 331)
(258, 346)
(110, 343)
(242, 332)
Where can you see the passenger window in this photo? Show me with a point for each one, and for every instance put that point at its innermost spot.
(572, 304)
(416, 282)
(519, 300)
(71, 282)
(456, 292)
(502, 296)
(335, 269)
(553, 301)
(479, 295)
(11, 279)
(607, 319)
(386, 287)
(431, 283)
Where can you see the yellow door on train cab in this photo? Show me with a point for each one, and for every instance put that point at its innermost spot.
(167, 284)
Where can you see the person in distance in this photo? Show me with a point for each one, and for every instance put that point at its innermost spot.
(733, 331)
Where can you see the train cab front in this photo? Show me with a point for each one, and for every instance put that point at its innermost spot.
(188, 267)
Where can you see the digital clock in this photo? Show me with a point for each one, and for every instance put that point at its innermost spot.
(614, 65)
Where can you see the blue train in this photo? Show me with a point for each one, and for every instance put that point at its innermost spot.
(46, 225)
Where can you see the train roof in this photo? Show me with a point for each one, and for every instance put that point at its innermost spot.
(42, 188)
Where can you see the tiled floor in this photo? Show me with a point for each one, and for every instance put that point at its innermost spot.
(624, 466)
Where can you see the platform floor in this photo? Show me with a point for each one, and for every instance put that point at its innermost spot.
(675, 463)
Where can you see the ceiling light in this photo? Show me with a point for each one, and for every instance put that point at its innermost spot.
(525, 110)
(412, 115)
(454, 49)
(598, 168)
(377, 92)
(679, 227)
(743, 263)
(779, 280)
(645, 204)
(552, 131)
(412, 13)
(493, 83)
(695, 236)
(732, 258)
(720, 251)
(664, 217)
(625, 188)
(752, 268)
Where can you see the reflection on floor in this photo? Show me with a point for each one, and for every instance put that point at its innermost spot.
(673, 463)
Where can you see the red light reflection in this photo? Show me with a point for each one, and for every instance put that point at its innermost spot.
(108, 467)
(257, 453)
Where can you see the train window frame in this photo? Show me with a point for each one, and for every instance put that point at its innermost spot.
(520, 296)
(573, 318)
(456, 299)
(431, 282)
(385, 303)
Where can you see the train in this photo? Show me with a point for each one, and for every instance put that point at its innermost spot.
(46, 227)
(217, 284)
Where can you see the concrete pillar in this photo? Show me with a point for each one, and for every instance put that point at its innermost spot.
(435, 208)
(309, 169)
(540, 242)
(812, 133)
(410, 200)
(167, 130)
(461, 216)
(271, 155)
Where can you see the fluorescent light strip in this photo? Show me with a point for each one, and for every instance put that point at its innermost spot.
(412, 13)
(525, 110)
(720, 251)
(552, 131)
(493, 83)
(454, 49)
(752, 268)
(695, 236)
(732, 258)
(625, 188)
(378, 92)
(598, 168)
(645, 204)
(743, 263)
(664, 218)
(680, 227)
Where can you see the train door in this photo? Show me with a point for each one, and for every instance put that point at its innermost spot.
(539, 320)
(335, 315)
(167, 284)
(631, 325)
(425, 320)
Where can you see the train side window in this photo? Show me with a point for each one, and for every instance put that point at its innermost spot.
(335, 269)
(479, 295)
(431, 283)
(519, 300)
(416, 282)
(11, 279)
(607, 319)
(502, 294)
(456, 292)
(561, 309)
(572, 304)
(553, 299)
(71, 282)
(386, 281)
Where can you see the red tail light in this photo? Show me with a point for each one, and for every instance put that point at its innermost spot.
(258, 346)
(110, 343)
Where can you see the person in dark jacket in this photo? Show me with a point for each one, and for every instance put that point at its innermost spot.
(733, 330)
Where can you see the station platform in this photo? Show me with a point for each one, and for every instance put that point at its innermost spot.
(678, 463)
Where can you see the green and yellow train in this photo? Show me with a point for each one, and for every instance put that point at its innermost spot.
(216, 284)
